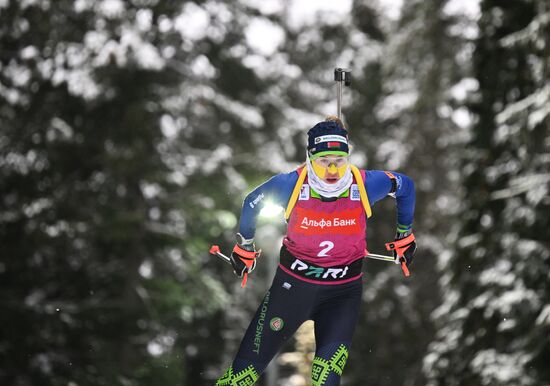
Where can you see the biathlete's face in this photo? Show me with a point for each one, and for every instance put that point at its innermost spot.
(330, 167)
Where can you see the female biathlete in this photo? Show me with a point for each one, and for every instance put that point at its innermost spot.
(319, 274)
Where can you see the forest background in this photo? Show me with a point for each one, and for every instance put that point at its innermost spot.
(130, 132)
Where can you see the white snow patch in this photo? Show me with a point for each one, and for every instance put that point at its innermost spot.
(537, 101)
(393, 153)
(144, 19)
(468, 8)
(145, 53)
(499, 368)
(95, 40)
(462, 117)
(504, 302)
(62, 127)
(469, 241)
(192, 23)
(263, 36)
(221, 154)
(161, 345)
(29, 52)
(20, 75)
(499, 274)
(395, 104)
(83, 5)
(169, 126)
(391, 8)
(462, 89)
(165, 24)
(201, 67)
(544, 316)
(266, 7)
(525, 184)
(249, 115)
(80, 82)
(302, 13)
(36, 207)
(150, 190)
(146, 269)
(75, 55)
(506, 324)
(111, 9)
(274, 67)
(28, 3)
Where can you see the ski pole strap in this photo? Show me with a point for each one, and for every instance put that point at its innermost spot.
(405, 269)
(247, 257)
(400, 246)
(245, 278)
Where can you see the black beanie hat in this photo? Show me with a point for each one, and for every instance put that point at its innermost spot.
(327, 137)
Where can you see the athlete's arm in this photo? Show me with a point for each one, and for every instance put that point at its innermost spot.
(379, 185)
(276, 190)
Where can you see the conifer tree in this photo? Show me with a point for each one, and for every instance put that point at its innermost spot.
(493, 325)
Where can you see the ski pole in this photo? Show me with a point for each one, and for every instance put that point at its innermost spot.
(341, 75)
(391, 259)
(374, 256)
(215, 250)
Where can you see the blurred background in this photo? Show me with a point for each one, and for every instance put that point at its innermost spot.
(130, 132)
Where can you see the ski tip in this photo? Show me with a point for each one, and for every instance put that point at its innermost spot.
(245, 278)
(214, 249)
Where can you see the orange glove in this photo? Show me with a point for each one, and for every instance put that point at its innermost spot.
(243, 258)
(403, 247)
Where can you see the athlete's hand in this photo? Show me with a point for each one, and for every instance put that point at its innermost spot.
(244, 255)
(403, 247)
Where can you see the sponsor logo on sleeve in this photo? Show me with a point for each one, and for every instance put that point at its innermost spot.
(255, 202)
(399, 181)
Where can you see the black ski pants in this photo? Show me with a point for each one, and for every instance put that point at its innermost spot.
(334, 309)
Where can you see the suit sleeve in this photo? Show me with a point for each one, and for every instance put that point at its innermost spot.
(379, 185)
(276, 190)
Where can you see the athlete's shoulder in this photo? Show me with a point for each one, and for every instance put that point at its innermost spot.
(285, 178)
(371, 173)
(374, 175)
(281, 182)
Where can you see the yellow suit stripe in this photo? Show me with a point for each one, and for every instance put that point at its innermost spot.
(295, 193)
(362, 190)
(300, 182)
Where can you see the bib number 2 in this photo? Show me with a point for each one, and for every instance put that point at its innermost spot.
(328, 245)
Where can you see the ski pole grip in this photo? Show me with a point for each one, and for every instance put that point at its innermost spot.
(214, 249)
(342, 75)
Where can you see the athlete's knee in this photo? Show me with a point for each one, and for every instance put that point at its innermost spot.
(328, 365)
